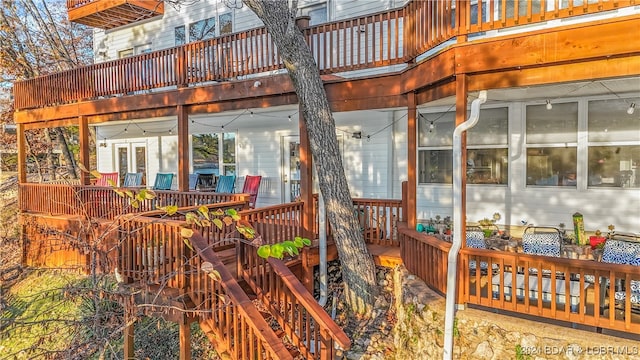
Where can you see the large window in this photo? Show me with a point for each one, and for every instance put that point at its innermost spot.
(206, 150)
(180, 35)
(487, 148)
(206, 28)
(552, 136)
(614, 144)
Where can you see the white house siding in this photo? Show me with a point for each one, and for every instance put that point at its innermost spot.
(399, 162)
(519, 204)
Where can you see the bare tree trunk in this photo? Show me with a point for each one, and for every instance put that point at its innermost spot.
(358, 269)
(68, 156)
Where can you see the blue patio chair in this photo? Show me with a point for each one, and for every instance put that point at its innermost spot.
(193, 181)
(475, 239)
(544, 241)
(226, 183)
(622, 249)
(132, 179)
(163, 181)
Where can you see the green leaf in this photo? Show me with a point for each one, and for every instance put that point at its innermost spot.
(218, 223)
(306, 242)
(111, 182)
(277, 250)
(119, 192)
(135, 204)
(190, 218)
(171, 209)
(264, 251)
(298, 242)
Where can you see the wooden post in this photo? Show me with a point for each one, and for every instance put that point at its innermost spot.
(306, 194)
(22, 153)
(412, 142)
(306, 179)
(185, 341)
(83, 138)
(462, 90)
(129, 353)
(183, 148)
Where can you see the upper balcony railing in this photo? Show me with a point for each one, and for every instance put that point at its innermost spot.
(387, 38)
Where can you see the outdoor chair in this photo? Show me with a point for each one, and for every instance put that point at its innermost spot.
(104, 178)
(622, 249)
(251, 186)
(206, 182)
(544, 241)
(132, 180)
(226, 183)
(163, 181)
(475, 239)
(193, 181)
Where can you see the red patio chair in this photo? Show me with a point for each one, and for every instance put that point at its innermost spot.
(251, 186)
(103, 180)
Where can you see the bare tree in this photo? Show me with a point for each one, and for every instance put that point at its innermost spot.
(35, 39)
(358, 269)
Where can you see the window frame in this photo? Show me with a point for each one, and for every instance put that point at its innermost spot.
(426, 112)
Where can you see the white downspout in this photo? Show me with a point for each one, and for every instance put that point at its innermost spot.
(452, 264)
(322, 249)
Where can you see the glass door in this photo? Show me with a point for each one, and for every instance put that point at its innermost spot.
(131, 158)
(291, 168)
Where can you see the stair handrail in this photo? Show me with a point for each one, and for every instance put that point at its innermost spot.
(268, 339)
(304, 298)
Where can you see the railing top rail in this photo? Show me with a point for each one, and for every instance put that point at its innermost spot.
(285, 206)
(238, 297)
(309, 303)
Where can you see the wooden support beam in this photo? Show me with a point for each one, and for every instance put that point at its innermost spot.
(22, 153)
(306, 194)
(129, 353)
(183, 148)
(306, 177)
(462, 91)
(83, 139)
(185, 341)
(412, 144)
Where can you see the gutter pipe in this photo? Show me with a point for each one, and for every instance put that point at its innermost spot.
(322, 249)
(452, 264)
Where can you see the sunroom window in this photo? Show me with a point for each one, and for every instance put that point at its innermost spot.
(614, 144)
(487, 148)
(552, 136)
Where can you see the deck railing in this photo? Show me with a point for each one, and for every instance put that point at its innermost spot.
(303, 320)
(104, 202)
(576, 291)
(276, 223)
(226, 310)
(391, 37)
(570, 290)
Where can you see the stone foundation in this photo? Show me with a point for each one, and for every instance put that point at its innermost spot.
(418, 333)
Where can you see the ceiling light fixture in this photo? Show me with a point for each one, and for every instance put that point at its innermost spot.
(631, 108)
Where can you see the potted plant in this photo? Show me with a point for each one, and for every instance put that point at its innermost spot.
(596, 239)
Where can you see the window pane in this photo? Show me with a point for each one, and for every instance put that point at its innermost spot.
(614, 166)
(229, 170)
(492, 128)
(558, 125)
(551, 166)
(229, 145)
(205, 152)
(318, 16)
(438, 134)
(609, 121)
(202, 30)
(226, 24)
(436, 166)
(180, 35)
(487, 166)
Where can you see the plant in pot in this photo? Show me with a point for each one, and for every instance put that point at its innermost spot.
(489, 226)
(596, 239)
